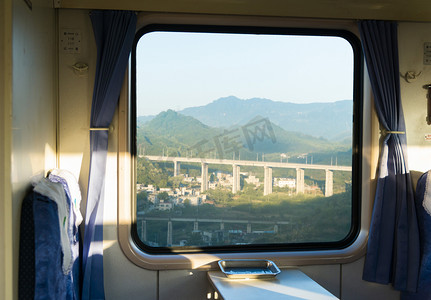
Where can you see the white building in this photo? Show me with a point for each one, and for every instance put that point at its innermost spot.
(150, 188)
(252, 180)
(286, 182)
(152, 198)
(164, 206)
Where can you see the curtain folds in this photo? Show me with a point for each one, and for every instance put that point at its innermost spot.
(393, 252)
(114, 33)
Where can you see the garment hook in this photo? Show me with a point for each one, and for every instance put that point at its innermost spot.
(410, 76)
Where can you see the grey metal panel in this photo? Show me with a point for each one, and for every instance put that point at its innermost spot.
(327, 276)
(123, 279)
(183, 285)
(353, 287)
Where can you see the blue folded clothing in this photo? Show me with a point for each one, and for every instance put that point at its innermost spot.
(424, 221)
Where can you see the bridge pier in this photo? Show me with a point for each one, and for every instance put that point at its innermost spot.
(222, 226)
(275, 228)
(177, 167)
(169, 237)
(329, 183)
(300, 181)
(236, 184)
(267, 181)
(204, 183)
(249, 228)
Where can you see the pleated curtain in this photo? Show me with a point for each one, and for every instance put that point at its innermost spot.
(393, 251)
(114, 33)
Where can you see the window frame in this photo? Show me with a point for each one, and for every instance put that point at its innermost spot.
(355, 242)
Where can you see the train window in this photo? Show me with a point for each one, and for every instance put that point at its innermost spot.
(245, 138)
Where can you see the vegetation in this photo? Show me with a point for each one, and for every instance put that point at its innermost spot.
(310, 219)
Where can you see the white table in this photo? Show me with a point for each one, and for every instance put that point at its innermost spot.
(289, 284)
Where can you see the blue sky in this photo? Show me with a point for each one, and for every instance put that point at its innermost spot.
(179, 70)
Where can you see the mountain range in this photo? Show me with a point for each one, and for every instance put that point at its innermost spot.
(175, 134)
(332, 120)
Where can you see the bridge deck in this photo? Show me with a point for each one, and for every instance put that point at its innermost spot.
(246, 163)
(205, 220)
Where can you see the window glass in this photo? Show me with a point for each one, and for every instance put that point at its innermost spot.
(243, 140)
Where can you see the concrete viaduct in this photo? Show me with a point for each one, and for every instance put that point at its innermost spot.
(196, 221)
(268, 166)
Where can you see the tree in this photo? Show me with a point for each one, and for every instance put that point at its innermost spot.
(175, 182)
(195, 239)
(142, 201)
(212, 177)
(163, 196)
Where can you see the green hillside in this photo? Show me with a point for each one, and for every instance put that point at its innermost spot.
(171, 133)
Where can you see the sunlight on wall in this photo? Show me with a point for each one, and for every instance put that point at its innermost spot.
(71, 162)
(108, 244)
(110, 209)
(50, 158)
(419, 157)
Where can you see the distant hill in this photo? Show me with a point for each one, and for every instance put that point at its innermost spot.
(171, 131)
(327, 120)
(144, 119)
(174, 134)
(176, 127)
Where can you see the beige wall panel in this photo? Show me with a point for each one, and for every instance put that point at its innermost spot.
(6, 221)
(34, 103)
(412, 37)
(75, 95)
(348, 9)
(123, 279)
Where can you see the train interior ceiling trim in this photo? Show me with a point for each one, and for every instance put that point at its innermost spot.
(45, 110)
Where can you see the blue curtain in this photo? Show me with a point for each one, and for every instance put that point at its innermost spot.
(114, 33)
(393, 245)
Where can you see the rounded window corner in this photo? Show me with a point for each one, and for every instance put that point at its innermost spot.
(165, 255)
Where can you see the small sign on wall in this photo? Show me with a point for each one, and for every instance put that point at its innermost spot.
(70, 41)
(427, 53)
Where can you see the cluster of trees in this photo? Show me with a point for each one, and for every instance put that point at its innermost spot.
(156, 174)
(311, 219)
